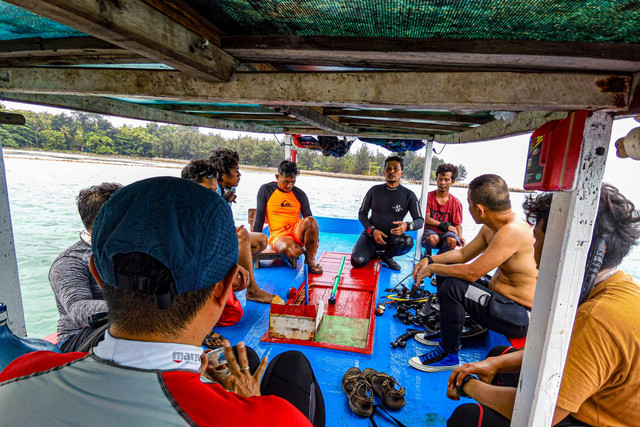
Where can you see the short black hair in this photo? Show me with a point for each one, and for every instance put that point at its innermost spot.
(490, 191)
(197, 170)
(617, 220)
(91, 199)
(394, 159)
(137, 313)
(223, 160)
(288, 169)
(448, 167)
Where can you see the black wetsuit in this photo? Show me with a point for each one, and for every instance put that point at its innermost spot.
(386, 205)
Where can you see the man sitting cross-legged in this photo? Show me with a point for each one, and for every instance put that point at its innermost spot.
(292, 228)
(165, 282)
(443, 224)
(504, 242)
(601, 376)
(384, 231)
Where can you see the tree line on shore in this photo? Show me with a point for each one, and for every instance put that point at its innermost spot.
(92, 133)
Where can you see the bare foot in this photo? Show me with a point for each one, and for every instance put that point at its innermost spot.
(254, 293)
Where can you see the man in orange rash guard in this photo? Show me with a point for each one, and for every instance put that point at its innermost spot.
(292, 228)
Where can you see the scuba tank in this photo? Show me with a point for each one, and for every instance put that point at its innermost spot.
(12, 346)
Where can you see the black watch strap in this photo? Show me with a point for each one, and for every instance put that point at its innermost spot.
(460, 388)
(428, 257)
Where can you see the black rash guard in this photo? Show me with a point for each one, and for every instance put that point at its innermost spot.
(388, 205)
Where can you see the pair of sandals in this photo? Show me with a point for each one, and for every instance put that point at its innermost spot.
(360, 387)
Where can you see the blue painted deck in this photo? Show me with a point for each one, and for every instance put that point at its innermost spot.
(427, 404)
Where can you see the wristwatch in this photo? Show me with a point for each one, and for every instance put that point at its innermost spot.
(428, 257)
(460, 388)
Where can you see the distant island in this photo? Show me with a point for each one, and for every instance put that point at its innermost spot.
(93, 134)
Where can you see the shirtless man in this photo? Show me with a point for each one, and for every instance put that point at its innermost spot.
(293, 229)
(504, 242)
(443, 224)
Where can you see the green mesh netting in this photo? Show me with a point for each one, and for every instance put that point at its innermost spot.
(16, 23)
(616, 21)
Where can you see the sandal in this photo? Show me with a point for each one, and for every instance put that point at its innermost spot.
(350, 379)
(386, 387)
(213, 340)
(316, 269)
(361, 399)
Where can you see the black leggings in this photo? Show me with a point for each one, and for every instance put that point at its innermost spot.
(290, 376)
(366, 248)
(489, 308)
(477, 415)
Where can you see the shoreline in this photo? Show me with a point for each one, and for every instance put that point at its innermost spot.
(52, 155)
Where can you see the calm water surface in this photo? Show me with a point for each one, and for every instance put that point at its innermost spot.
(43, 188)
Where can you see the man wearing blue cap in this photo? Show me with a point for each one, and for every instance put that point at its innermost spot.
(165, 283)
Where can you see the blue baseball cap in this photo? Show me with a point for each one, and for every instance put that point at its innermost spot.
(185, 226)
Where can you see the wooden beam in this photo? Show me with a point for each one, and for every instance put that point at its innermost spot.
(402, 52)
(448, 91)
(413, 115)
(239, 109)
(114, 107)
(136, 26)
(524, 122)
(246, 117)
(11, 119)
(364, 133)
(403, 125)
(314, 118)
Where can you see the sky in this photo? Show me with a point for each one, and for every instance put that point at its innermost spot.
(505, 157)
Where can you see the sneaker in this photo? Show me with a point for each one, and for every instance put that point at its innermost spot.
(436, 361)
(390, 262)
(429, 338)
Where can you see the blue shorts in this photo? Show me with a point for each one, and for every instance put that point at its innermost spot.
(443, 237)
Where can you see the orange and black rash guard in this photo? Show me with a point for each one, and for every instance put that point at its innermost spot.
(279, 208)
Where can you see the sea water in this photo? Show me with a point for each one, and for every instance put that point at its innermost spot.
(43, 188)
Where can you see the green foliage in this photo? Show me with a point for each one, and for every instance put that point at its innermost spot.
(93, 133)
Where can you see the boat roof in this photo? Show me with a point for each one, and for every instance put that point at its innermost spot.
(445, 70)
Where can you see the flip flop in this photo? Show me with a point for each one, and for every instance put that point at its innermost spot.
(211, 339)
(386, 387)
(316, 269)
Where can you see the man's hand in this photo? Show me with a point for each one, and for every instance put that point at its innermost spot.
(422, 270)
(379, 236)
(401, 228)
(239, 379)
(452, 393)
(241, 281)
(462, 242)
(453, 229)
(485, 370)
(229, 196)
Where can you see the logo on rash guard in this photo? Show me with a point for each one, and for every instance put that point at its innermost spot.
(285, 204)
(397, 208)
(181, 356)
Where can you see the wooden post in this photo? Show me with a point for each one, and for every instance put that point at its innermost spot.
(9, 283)
(426, 177)
(288, 143)
(563, 262)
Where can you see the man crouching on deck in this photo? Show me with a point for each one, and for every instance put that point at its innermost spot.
(601, 377)
(165, 282)
(292, 228)
(504, 242)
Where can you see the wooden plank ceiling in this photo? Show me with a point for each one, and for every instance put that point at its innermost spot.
(165, 61)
